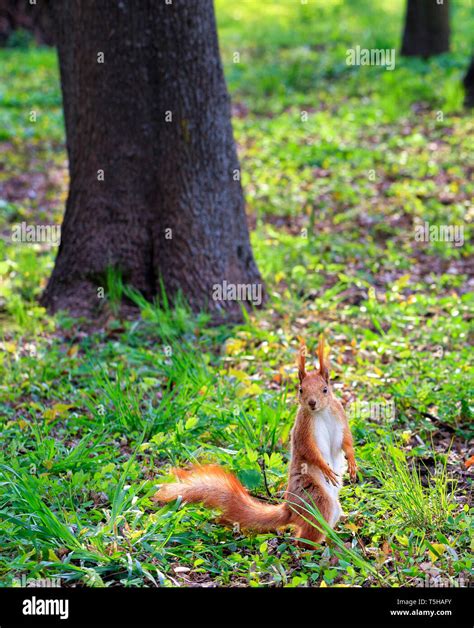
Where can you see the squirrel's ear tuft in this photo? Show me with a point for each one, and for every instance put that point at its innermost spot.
(301, 361)
(323, 360)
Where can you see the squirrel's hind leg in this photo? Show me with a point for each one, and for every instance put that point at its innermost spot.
(311, 531)
(307, 532)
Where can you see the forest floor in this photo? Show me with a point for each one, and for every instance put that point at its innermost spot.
(340, 164)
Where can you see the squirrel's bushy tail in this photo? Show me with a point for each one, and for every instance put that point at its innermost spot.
(216, 488)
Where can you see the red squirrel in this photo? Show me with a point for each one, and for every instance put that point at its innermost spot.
(319, 438)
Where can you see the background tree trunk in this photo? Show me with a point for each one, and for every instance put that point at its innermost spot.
(469, 85)
(154, 116)
(426, 28)
(21, 14)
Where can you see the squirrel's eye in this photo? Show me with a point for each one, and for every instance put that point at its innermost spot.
(301, 391)
(325, 390)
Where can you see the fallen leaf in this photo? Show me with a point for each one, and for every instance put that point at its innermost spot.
(249, 391)
(57, 410)
(436, 550)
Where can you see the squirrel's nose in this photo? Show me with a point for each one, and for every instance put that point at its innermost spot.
(312, 403)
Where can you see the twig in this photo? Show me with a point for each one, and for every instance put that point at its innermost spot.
(434, 418)
(264, 471)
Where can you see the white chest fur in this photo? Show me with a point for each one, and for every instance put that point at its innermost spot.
(328, 434)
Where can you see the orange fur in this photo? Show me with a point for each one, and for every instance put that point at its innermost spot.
(215, 488)
(323, 361)
(301, 363)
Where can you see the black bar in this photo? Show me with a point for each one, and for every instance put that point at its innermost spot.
(220, 607)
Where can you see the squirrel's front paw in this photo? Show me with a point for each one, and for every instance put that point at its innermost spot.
(331, 475)
(352, 470)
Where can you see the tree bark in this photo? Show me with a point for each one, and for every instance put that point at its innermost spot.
(469, 85)
(152, 120)
(427, 29)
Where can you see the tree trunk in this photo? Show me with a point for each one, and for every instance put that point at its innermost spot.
(155, 181)
(469, 85)
(426, 28)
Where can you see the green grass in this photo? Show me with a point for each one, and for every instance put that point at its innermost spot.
(411, 502)
(91, 423)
